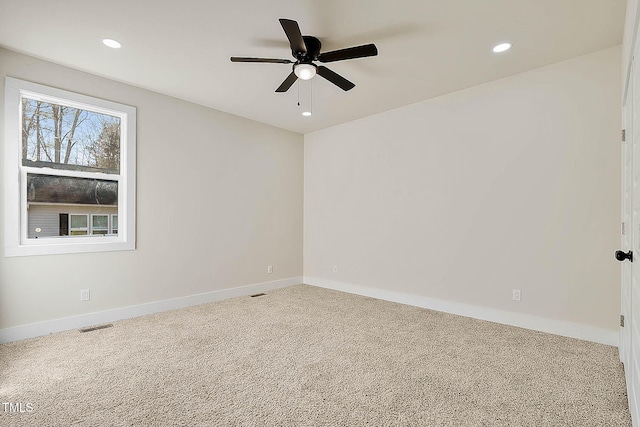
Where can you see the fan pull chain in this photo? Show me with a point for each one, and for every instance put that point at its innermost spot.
(311, 96)
(298, 86)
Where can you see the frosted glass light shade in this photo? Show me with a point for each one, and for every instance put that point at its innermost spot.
(304, 71)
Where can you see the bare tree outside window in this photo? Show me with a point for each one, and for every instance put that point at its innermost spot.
(64, 137)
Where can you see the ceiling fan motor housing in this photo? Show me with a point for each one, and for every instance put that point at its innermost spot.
(313, 50)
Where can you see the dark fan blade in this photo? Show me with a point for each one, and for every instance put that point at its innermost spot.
(335, 78)
(267, 60)
(286, 84)
(349, 53)
(292, 30)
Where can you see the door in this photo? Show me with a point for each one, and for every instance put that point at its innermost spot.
(633, 305)
(630, 289)
(626, 230)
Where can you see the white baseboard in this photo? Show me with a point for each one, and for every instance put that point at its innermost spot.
(558, 327)
(527, 321)
(67, 323)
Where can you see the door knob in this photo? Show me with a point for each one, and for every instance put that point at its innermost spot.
(621, 256)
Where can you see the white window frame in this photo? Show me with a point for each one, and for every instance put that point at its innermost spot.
(15, 175)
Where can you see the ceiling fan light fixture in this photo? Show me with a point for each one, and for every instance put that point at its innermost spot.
(304, 71)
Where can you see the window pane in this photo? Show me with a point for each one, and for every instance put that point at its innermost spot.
(114, 222)
(49, 197)
(78, 221)
(100, 221)
(99, 224)
(62, 137)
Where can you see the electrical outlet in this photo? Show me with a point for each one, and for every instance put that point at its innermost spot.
(84, 294)
(270, 269)
(516, 295)
(335, 268)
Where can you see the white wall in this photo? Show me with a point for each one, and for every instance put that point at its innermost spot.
(514, 184)
(628, 39)
(219, 199)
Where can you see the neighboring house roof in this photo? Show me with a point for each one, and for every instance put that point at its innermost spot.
(61, 189)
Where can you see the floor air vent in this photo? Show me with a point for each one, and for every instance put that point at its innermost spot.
(257, 295)
(95, 328)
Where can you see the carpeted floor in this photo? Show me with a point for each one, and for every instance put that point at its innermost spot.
(306, 356)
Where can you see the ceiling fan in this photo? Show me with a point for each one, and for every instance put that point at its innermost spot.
(306, 49)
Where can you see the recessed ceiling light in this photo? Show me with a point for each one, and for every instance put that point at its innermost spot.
(306, 113)
(501, 47)
(112, 43)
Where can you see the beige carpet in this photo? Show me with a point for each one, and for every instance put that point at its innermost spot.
(306, 356)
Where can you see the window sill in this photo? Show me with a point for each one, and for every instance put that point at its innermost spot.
(101, 244)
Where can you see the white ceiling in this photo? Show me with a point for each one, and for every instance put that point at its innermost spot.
(426, 47)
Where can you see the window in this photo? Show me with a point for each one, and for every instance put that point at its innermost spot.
(99, 224)
(79, 225)
(69, 163)
(114, 224)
